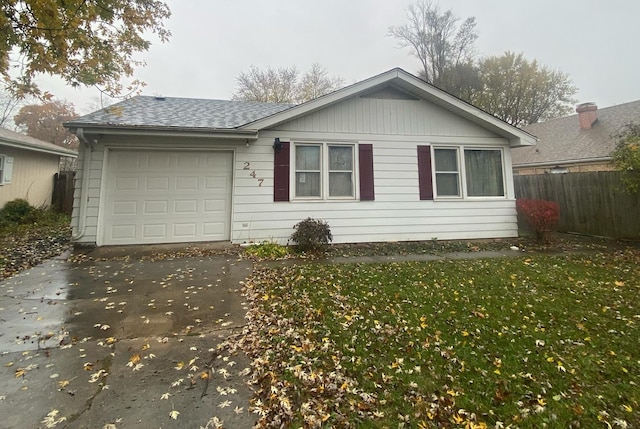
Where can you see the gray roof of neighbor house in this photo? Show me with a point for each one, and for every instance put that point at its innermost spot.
(171, 112)
(21, 141)
(562, 140)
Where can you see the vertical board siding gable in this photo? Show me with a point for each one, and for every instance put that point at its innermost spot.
(365, 159)
(281, 172)
(424, 173)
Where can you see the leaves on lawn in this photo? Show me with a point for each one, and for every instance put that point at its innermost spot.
(541, 340)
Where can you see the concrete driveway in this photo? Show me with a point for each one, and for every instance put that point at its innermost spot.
(125, 337)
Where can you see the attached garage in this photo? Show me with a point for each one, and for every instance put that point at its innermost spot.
(155, 196)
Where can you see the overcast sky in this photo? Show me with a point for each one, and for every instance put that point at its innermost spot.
(594, 41)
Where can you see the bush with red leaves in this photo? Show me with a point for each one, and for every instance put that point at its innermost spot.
(542, 216)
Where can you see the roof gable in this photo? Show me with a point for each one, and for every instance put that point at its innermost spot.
(144, 114)
(408, 84)
(21, 141)
(562, 140)
(385, 111)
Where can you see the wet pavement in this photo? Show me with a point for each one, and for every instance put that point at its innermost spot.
(118, 340)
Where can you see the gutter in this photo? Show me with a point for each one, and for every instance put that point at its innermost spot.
(82, 223)
(565, 162)
(227, 133)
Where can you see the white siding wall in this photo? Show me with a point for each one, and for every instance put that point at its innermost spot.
(386, 117)
(87, 233)
(397, 214)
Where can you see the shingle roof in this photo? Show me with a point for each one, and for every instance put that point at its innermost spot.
(562, 140)
(147, 111)
(14, 139)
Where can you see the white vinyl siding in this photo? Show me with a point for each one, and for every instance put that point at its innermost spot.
(373, 116)
(397, 214)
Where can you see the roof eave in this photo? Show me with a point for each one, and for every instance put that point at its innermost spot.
(105, 129)
(563, 162)
(26, 146)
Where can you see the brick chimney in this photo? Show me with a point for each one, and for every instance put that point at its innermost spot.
(587, 114)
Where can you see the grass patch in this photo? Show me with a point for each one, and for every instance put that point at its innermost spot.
(525, 342)
(267, 250)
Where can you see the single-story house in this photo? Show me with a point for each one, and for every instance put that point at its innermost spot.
(27, 167)
(390, 158)
(581, 142)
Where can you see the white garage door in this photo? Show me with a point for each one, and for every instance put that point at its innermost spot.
(167, 196)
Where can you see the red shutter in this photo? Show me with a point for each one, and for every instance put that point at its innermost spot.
(365, 158)
(424, 173)
(281, 173)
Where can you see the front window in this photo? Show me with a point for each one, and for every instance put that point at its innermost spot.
(481, 170)
(324, 171)
(308, 171)
(340, 171)
(447, 173)
(484, 173)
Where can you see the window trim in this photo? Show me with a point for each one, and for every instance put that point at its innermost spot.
(462, 173)
(324, 171)
(6, 169)
(458, 173)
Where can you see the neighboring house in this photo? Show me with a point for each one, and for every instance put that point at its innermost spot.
(27, 167)
(387, 159)
(581, 142)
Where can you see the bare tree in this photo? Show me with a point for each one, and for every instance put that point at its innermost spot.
(284, 84)
(8, 104)
(317, 82)
(437, 39)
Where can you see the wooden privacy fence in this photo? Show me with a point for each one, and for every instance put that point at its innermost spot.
(590, 203)
(62, 199)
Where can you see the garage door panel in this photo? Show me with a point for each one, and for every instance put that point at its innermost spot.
(215, 206)
(213, 228)
(127, 184)
(124, 162)
(157, 184)
(154, 230)
(159, 160)
(129, 208)
(188, 161)
(187, 183)
(165, 197)
(185, 206)
(123, 232)
(216, 184)
(185, 230)
(155, 207)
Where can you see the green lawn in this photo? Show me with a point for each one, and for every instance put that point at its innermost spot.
(526, 342)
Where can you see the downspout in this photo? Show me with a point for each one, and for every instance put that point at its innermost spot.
(84, 189)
